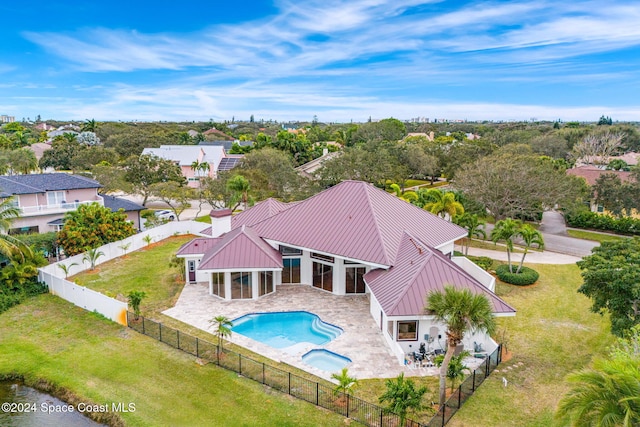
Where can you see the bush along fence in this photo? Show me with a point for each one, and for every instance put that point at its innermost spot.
(302, 388)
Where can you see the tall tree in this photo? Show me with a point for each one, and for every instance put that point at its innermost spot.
(461, 312)
(144, 171)
(474, 226)
(443, 203)
(506, 230)
(176, 196)
(611, 278)
(9, 245)
(90, 126)
(530, 236)
(239, 185)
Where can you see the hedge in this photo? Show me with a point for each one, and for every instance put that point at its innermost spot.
(595, 221)
(484, 262)
(527, 276)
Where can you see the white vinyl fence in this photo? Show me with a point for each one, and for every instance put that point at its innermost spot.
(91, 300)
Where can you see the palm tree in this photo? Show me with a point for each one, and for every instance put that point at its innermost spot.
(407, 196)
(89, 126)
(443, 203)
(530, 236)
(461, 312)
(204, 168)
(240, 185)
(474, 227)
(195, 166)
(9, 246)
(125, 248)
(401, 396)
(135, 298)
(345, 382)
(223, 328)
(606, 395)
(92, 256)
(66, 268)
(507, 230)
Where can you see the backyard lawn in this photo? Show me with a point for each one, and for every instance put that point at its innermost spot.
(49, 339)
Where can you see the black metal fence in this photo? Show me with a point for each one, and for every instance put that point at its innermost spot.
(302, 388)
(466, 389)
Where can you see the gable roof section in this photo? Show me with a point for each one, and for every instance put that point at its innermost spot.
(259, 212)
(116, 203)
(592, 173)
(240, 248)
(197, 246)
(420, 270)
(358, 221)
(43, 182)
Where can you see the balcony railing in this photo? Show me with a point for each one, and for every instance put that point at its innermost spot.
(55, 208)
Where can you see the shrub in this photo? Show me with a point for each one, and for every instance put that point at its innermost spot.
(483, 262)
(592, 220)
(527, 276)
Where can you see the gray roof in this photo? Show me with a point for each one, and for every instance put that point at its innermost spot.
(116, 203)
(41, 183)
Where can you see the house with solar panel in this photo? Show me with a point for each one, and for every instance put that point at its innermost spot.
(351, 239)
(197, 161)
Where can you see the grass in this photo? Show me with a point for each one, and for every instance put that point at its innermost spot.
(204, 218)
(552, 334)
(590, 235)
(48, 339)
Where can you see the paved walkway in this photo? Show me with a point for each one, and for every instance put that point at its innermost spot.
(361, 341)
(544, 257)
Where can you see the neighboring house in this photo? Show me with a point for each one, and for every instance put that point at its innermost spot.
(349, 239)
(130, 208)
(308, 170)
(39, 148)
(186, 155)
(430, 136)
(217, 134)
(44, 126)
(591, 174)
(227, 144)
(630, 158)
(43, 199)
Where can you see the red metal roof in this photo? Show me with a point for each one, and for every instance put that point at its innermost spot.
(418, 271)
(592, 173)
(261, 211)
(356, 220)
(241, 248)
(197, 246)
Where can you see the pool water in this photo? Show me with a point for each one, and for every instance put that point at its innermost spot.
(285, 329)
(326, 360)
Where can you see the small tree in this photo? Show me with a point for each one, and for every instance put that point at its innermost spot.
(346, 383)
(66, 268)
(125, 248)
(474, 227)
(135, 298)
(531, 237)
(507, 230)
(147, 239)
(223, 328)
(457, 368)
(92, 256)
(402, 396)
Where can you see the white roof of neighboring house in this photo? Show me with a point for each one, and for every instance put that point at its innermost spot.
(185, 155)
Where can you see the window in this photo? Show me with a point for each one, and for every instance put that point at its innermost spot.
(322, 257)
(354, 280)
(24, 230)
(217, 282)
(408, 331)
(266, 283)
(55, 197)
(600, 209)
(241, 285)
(291, 270)
(287, 251)
(323, 276)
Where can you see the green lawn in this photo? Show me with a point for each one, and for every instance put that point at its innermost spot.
(590, 235)
(47, 338)
(552, 334)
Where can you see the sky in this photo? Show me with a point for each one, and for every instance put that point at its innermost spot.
(337, 60)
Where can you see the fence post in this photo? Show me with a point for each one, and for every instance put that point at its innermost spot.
(459, 395)
(143, 333)
(289, 382)
(263, 373)
(197, 349)
(473, 387)
(317, 394)
(239, 363)
(178, 337)
(348, 405)
(160, 328)
(218, 354)
(499, 361)
(444, 408)
(381, 413)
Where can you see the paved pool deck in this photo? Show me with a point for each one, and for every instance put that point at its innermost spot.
(361, 341)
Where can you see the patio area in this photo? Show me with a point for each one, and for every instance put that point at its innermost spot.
(361, 341)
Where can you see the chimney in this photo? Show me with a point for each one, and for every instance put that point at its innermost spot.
(220, 221)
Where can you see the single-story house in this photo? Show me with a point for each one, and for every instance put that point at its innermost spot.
(591, 174)
(44, 198)
(349, 239)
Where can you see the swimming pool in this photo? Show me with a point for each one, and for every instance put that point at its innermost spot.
(326, 360)
(286, 328)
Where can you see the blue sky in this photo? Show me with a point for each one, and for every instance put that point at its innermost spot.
(337, 60)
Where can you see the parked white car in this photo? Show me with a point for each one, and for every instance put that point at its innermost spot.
(165, 214)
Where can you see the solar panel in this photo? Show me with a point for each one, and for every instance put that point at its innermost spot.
(228, 163)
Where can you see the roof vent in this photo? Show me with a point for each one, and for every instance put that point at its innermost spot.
(418, 247)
